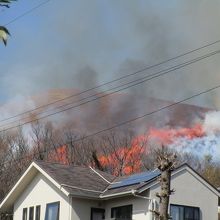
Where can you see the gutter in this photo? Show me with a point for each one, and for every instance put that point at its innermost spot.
(131, 192)
(116, 194)
(139, 196)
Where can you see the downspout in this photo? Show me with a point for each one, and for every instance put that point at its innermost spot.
(146, 198)
(139, 196)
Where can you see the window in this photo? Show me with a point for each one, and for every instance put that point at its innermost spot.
(37, 213)
(97, 214)
(52, 211)
(31, 213)
(122, 212)
(179, 212)
(24, 217)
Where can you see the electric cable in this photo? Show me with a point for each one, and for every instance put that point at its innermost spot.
(155, 75)
(112, 81)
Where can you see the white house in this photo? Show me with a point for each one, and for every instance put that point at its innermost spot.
(48, 191)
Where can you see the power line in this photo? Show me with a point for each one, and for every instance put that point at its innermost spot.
(112, 81)
(125, 76)
(148, 114)
(155, 75)
(127, 85)
(27, 12)
(125, 122)
(128, 121)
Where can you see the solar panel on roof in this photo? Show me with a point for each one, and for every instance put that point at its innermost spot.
(134, 179)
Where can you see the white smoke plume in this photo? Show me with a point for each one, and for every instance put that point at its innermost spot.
(211, 122)
(208, 143)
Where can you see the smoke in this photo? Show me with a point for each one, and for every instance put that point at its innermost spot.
(200, 139)
(16, 105)
(111, 39)
(86, 78)
(84, 43)
(212, 122)
(206, 145)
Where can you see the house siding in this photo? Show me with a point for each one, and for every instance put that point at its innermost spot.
(139, 207)
(40, 192)
(190, 191)
(82, 208)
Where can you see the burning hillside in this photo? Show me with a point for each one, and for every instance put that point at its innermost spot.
(124, 156)
(183, 127)
(201, 139)
(202, 136)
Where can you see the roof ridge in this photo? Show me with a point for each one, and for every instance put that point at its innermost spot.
(57, 163)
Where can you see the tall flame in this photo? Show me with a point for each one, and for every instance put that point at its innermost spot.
(125, 160)
(60, 155)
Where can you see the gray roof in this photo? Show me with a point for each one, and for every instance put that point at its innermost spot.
(85, 182)
(78, 177)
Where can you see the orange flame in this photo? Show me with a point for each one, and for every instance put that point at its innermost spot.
(60, 155)
(125, 160)
(128, 160)
(167, 136)
(132, 157)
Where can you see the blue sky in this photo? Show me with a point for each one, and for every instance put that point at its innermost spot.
(81, 43)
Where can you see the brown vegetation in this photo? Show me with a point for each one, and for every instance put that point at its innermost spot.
(118, 152)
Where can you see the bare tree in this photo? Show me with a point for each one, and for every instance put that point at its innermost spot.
(43, 140)
(165, 162)
(18, 150)
(14, 152)
(210, 170)
(121, 153)
(79, 149)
